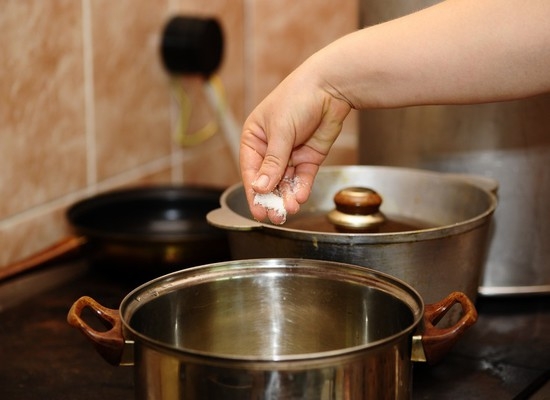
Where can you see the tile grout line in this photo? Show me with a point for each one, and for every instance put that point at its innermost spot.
(111, 183)
(248, 43)
(176, 158)
(89, 110)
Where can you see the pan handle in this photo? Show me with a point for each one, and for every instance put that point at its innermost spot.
(110, 344)
(226, 218)
(435, 343)
(51, 253)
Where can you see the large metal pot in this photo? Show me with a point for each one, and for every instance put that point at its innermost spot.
(508, 141)
(274, 329)
(446, 257)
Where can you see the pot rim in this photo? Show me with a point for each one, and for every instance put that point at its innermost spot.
(244, 223)
(78, 213)
(233, 269)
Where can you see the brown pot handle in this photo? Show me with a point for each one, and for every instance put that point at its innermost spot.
(437, 342)
(110, 343)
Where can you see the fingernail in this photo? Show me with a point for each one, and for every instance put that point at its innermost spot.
(261, 182)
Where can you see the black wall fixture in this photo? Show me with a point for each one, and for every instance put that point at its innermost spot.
(192, 45)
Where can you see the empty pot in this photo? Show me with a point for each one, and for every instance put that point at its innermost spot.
(274, 329)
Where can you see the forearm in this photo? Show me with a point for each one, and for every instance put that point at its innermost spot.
(458, 51)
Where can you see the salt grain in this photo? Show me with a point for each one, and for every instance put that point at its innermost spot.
(271, 201)
(274, 200)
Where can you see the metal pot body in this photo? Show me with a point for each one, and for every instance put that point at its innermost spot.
(507, 141)
(384, 373)
(435, 261)
(272, 329)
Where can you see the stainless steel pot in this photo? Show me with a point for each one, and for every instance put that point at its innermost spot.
(447, 257)
(274, 329)
(507, 141)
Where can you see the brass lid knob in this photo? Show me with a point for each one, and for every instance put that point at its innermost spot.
(357, 210)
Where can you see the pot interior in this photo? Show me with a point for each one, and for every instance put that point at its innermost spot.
(253, 310)
(414, 200)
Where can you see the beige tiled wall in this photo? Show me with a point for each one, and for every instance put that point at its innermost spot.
(86, 105)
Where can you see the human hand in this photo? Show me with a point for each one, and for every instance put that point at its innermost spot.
(285, 140)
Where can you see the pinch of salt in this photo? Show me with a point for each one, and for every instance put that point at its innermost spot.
(271, 201)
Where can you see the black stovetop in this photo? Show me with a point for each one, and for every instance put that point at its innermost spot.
(42, 357)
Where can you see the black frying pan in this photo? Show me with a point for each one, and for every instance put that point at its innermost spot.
(144, 230)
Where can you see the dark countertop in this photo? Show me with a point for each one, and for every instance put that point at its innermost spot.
(42, 357)
(498, 358)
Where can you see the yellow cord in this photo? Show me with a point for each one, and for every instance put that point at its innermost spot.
(182, 135)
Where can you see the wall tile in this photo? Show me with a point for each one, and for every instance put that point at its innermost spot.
(230, 15)
(132, 118)
(283, 34)
(31, 236)
(69, 128)
(42, 141)
(212, 162)
(211, 165)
